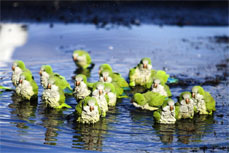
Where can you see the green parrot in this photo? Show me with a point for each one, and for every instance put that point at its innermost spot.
(119, 83)
(53, 94)
(101, 97)
(107, 75)
(166, 113)
(148, 101)
(161, 88)
(88, 111)
(46, 72)
(82, 59)
(142, 74)
(18, 67)
(27, 88)
(203, 101)
(111, 93)
(81, 87)
(185, 107)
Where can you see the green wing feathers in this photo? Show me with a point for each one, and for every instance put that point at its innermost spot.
(167, 90)
(157, 116)
(156, 100)
(79, 107)
(210, 102)
(162, 76)
(177, 111)
(139, 99)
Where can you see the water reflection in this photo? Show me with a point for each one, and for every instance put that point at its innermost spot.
(23, 110)
(165, 132)
(86, 72)
(90, 137)
(11, 36)
(51, 120)
(187, 131)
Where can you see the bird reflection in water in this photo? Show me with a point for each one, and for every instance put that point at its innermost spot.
(51, 120)
(165, 132)
(86, 72)
(23, 110)
(194, 130)
(187, 131)
(90, 137)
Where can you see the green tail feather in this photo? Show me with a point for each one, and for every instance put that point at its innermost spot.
(2, 88)
(64, 105)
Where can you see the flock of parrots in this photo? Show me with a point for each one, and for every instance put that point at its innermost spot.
(94, 99)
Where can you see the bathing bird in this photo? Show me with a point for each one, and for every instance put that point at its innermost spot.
(148, 101)
(166, 114)
(161, 88)
(185, 107)
(142, 74)
(203, 101)
(82, 59)
(110, 92)
(46, 72)
(101, 97)
(18, 67)
(81, 87)
(53, 94)
(107, 75)
(88, 111)
(27, 88)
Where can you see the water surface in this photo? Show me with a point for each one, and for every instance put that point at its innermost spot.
(193, 54)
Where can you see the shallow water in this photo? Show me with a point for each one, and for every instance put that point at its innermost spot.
(192, 54)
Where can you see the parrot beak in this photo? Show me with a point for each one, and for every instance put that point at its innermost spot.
(171, 108)
(75, 58)
(49, 86)
(145, 66)
(91, 108)
(20, 81)
(193, 95)
(105, 78)
(100, 92)
(77, 83)
(99, 71)
(40, 73)
(187, 101)
(155, 85)
(13, 68)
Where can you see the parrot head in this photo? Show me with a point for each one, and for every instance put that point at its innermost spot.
(79, 56)
(52, 84)
(100, 88)
(171, 104)
(79, 79)
(90, 104)
(197, 90)
(25, 76)
(105, 76)
(186, 97)
(145, 63)
(18, 65)
(45, 70)
(156, 82)
(104, 67)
